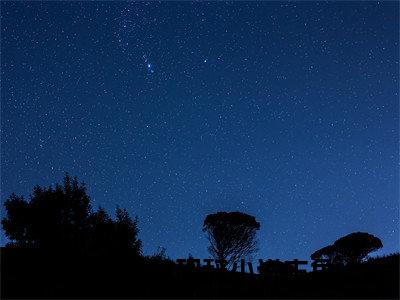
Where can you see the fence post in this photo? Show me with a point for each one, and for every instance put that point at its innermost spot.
(242, 266)
(250, 267)
(234, 267)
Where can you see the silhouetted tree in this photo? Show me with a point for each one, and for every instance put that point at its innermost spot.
(126, 232)
(61, 218)
(350, 249)
(356, 246)
(232, 235)
(329, 253)
(16, 225)
(100, 232)
(160, 254)
(53, 218)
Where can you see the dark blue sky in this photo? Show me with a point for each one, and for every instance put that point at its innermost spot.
(174, 110)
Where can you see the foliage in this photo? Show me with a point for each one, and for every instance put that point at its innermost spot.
(61, 218)
(350, 249)
(356, 246)
(392, 258)
(54, 217)
(160, 254)
(232, 235)
(328, 252)
(126, 230)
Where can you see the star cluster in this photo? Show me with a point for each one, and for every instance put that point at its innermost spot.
(174, 110)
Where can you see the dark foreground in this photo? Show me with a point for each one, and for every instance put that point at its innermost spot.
(34, 274)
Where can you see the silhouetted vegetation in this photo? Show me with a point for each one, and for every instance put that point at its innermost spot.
(232, 235)
(60, 248)
(350, 249)
(60, 218)
(356, 246)
(328, 253)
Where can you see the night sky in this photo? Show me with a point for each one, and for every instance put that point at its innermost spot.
(175, 110)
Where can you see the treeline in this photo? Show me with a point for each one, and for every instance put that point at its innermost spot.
(60, 247)
(61, 217)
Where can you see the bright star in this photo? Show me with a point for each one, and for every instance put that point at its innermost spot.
(150, 68)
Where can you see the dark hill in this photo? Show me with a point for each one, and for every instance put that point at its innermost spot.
(37, 274)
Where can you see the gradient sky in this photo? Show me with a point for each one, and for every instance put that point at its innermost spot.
(174, 110)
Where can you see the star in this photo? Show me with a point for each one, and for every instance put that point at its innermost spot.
(283, 121)
(150, 69)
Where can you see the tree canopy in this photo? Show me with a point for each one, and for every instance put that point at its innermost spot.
(356, 246)
(352, 248)
(61, 218)
(328, 252)
(232, 235)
